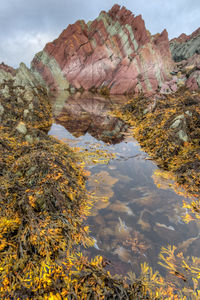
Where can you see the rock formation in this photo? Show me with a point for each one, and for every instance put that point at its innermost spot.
(7, 69)
(185, 46)
(115, 51)
(186, 53)
(23, 102)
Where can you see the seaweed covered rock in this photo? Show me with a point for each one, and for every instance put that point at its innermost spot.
(23, 100)
(43, 203)
(24, 108)
(168, 127)
(42, 197)
(43, 206)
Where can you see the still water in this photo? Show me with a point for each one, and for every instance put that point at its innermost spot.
(136, 212)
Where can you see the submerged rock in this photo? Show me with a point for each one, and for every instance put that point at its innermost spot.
(115, 51)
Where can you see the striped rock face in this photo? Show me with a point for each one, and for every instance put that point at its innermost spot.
(114, 51)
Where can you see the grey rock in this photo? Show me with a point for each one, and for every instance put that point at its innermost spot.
(5, 76)
(19, 100)
(26, 112)
(145, 111)
(29, 138)
(180, 117)
(182, 135)
(175, 124)
(25, 78)
(181, 82)
(72, 90)
(19, 91)
(31, 171)
(5, 92)
(21, 128)
(28, 95)
(184, 50)
(189, 113)
(30, 106)
(1, 109)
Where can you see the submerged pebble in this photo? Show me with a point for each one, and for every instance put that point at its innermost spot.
(123, 254)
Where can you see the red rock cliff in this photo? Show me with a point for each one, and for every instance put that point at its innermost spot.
(114, 51)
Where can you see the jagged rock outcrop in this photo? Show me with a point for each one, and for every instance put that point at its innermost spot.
(185, 46)
(186, 53)
(114, 51)
(7, 69)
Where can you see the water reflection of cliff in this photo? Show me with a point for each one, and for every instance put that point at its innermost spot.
(82, 113)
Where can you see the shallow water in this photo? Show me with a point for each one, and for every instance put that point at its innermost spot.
(132, 218)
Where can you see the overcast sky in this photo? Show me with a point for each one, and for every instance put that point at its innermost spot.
(27, 25)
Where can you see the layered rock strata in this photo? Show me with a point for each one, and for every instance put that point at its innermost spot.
(114, 51)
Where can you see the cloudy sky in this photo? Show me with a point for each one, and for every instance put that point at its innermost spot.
(27, 25)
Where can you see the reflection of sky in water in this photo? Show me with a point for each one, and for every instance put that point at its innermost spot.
(137, 218)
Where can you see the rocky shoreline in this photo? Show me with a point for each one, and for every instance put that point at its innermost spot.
(44, 201)
(43, 198)
(43, 205)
